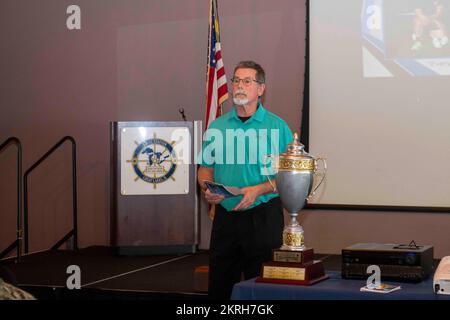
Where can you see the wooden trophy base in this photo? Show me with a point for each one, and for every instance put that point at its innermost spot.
(305, 272)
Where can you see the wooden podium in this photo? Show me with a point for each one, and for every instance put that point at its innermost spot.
(154, 192)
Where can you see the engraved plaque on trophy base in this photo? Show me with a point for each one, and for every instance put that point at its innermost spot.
(292, 273)
(304, 256)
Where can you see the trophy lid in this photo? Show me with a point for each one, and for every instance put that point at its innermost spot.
(296, 158)
(295, 149)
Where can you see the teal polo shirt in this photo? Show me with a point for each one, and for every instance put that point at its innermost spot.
(237, 150)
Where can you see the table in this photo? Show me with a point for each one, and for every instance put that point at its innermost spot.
(334, 288)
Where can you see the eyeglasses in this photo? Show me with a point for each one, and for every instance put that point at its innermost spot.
(246, 81)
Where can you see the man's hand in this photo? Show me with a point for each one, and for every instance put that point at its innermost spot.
(250, 195)
(253, 192)
(205, 173)
(213, 198)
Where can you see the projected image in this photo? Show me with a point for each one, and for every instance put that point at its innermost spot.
(429, 28)
(405, 37)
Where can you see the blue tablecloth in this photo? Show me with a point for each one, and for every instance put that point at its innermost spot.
(334, 288)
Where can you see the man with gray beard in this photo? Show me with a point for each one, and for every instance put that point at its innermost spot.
(246, 227)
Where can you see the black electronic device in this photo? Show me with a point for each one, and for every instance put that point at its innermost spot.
(408, 263)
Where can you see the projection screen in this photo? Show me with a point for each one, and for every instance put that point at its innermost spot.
(379, 108)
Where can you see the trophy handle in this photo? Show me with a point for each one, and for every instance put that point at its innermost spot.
(323, 173)
(266, 172)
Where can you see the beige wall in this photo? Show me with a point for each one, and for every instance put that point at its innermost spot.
(142, 60)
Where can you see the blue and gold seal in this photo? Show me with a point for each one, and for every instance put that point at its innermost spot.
(154, 161)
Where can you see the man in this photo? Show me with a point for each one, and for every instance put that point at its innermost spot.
(246, 228)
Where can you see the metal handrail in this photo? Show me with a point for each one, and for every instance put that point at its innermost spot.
(18, 242)
(74, 231)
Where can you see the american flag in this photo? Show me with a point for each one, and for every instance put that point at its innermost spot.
(216, 82)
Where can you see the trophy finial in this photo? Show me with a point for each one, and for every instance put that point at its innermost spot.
(295, 147)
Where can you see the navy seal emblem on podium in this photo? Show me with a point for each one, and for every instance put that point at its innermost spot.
(154, 161)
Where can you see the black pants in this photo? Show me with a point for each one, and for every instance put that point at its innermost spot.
(240, 242)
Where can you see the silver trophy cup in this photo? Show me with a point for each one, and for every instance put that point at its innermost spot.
(295, 177)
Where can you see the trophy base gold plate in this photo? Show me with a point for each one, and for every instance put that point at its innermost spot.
(292, 282)
(282, 255)
(292, 273)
